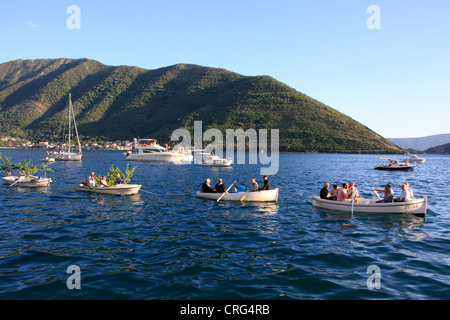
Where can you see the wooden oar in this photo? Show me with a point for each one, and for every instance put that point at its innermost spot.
(19, 179)
(224, 193)
(376, 193)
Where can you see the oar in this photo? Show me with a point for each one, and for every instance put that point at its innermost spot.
(225, 192)
(376, 193)
(15, 182)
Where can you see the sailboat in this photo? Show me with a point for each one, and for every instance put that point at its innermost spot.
(69, 155)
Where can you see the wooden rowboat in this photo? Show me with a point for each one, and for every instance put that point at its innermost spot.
(257, 196)
(32, 181)
(120, 189)
(416, 207)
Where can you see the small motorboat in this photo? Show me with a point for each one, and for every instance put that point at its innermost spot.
(395, 165)
(250, 196)
(31, 181)
(214, 161)
(120, 189)
(416, 159)
(47, 159)
(416, 207)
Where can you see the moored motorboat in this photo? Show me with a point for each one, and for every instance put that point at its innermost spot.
(416, 207)
(214, 161)
(119, 189)
(150, 150)
(31, 181)
(256, 196)
(47, 159)
(395, 165)
(416, 159)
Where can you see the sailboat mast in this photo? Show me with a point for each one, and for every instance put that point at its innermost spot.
(76, 131)
(70, 107)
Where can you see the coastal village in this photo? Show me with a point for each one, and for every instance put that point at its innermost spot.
(12, 142)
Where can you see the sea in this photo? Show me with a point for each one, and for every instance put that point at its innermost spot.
(59, 243)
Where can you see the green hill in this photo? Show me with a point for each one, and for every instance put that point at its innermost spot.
(123, 102)
(442, 149)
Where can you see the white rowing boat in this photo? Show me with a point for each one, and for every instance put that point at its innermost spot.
(256, 196)
(121, 189)
(32, 181)
(416, 207)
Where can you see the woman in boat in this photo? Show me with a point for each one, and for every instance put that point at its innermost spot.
(103, 183)
(91, 183)
(343, 193)
(388, 194)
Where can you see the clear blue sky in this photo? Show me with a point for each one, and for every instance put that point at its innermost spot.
(395, 80)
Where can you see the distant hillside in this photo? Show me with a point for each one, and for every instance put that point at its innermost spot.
(123, 102)
(422, 143)
(442, 149)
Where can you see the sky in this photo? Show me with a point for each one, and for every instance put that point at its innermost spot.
(384, 63)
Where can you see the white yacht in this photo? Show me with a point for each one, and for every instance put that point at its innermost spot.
(150, 150)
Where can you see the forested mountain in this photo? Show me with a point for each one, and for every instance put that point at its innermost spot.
(124, 102)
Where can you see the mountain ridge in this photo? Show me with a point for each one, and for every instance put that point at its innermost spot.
(122, 102)
(422, 143)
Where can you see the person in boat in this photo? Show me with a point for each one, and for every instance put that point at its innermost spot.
(409, 189)
(255, 186)
(334, 192)
(119, 180)
(266, 184)
(206, 187)
(104, 183)
(220, 187)
(405, 195)
(324, 193)
(388, 194)
(91, 183)
(343, 193)
(353, 192)
(239, 188)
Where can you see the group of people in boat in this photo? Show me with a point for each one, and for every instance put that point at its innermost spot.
(220, 186)
(406, 194)
(349, 192)
(92, 182)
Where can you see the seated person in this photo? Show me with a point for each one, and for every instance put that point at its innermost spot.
(255, 186)
(220, 187)
(119, 180)
(334, 192)
(266, 184)
(324, 193)
(343, 193)
(405, 195)
(206, 187)
(388, 194)
(103, 183)
(240, 188)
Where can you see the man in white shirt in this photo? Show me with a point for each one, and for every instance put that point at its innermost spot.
(405, 195)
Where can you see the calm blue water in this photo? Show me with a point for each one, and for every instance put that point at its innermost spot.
(167, 244)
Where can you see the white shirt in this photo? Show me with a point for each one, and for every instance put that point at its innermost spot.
(405, 194)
